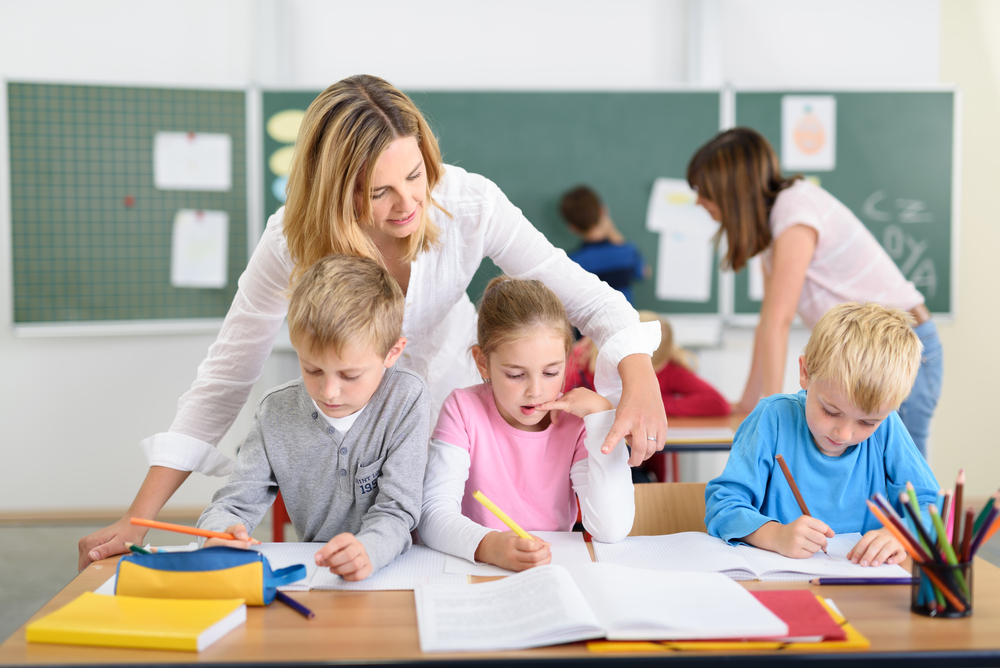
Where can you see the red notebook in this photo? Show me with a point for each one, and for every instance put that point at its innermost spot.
(807, 620)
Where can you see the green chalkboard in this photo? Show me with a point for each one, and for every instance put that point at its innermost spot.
(894, 164)
(536, 145)
(91, 236)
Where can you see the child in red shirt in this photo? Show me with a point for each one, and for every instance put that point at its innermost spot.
(683, 392)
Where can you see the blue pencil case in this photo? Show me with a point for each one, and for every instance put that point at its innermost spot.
(211, 572)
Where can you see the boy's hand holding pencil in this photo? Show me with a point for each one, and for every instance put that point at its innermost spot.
(241, 538)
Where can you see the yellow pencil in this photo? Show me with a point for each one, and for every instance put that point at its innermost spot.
(481, 498)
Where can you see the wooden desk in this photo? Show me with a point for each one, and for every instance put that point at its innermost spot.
(675, 445)
(363, 627)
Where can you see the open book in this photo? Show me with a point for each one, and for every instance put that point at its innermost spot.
(418, 565)
(548, 605)
(697, 551)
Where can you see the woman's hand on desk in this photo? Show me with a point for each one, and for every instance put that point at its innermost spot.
(508, 550)
(346, 556)
(109, 541)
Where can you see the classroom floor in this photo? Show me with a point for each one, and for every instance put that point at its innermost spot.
(37, 560)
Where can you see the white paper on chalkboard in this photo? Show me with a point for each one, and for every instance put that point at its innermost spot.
(755, 272)
(809, 132)
(684, 262)
(192, 161)
(200, 251)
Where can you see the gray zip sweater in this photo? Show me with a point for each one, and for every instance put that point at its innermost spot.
(368, 482)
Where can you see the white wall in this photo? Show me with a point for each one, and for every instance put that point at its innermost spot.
(73, 410)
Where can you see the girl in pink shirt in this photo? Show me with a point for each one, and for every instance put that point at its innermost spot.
(526, 446)
(816, 254)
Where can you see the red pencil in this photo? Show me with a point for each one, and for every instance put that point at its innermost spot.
(970, 520)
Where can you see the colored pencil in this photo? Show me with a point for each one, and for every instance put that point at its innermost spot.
(949, 553)
(795, 489)
(970, 515)
(501, 515)
(180, 528)
(139, 549)
(947, 592)
(989, 531)
(981, 517)
(864, 581)
(294, 605)
(900, 525)
(987, 528)
(956, 536)
(946, 515)
(925, 538)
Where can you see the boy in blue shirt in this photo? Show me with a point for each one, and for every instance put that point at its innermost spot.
(605, 252)
(841, 438)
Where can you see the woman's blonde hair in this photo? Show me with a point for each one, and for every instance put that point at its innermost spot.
(739, 172)
(343, 134)
(667, 352)
(511, 308)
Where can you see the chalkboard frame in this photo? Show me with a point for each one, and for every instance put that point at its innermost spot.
(728, 280)
(248, 229)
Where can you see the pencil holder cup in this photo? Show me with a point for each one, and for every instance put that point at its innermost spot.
(942, 590)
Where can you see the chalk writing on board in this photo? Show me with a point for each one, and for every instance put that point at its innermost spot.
(907, 210)
(908, 252)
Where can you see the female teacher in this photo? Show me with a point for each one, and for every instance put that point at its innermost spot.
(815, 254)
(367, 179)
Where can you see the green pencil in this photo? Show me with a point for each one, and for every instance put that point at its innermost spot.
(982, 515)
(139, 550)
(949, 553)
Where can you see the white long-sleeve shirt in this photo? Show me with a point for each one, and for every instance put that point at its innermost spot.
(439, 319)
(603, 484)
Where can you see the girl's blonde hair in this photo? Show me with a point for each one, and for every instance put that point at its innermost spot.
(512, 307)
(666, 353)
(739, 172)
(343, 134)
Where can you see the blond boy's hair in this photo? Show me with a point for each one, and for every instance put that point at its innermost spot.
(346, 300)
(870, 352)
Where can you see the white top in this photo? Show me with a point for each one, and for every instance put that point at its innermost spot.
(439, 321)
(849, 265)
(602, 482)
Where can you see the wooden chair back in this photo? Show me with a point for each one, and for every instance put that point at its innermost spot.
(669, 507)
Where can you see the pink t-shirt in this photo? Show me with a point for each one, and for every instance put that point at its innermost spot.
(525, 473)
(849, 265)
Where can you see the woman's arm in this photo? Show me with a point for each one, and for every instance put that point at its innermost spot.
(604, 484)
(793, 251)
(208, 409)
(156, 489)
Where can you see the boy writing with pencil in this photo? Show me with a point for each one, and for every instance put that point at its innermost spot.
(841, 438)
(347, 442)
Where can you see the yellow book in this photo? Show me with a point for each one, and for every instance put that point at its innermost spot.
(129, 621)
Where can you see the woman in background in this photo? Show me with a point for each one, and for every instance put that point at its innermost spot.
(815, 254)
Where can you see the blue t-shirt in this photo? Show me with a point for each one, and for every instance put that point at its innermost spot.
(617, 265)
(752, 489)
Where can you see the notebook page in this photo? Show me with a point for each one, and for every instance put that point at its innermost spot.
(771, 566)
(282, 555)
(540, 606)
(637, 604)
(420, 565)
(688, 551)
(568, 548)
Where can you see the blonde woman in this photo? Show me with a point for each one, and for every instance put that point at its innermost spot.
(367, 180)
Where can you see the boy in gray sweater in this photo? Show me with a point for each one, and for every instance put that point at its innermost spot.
(347, 443)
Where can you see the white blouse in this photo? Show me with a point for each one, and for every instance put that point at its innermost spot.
(439, 320)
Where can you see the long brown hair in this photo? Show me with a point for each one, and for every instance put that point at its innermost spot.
(739, 171)
(343, 133)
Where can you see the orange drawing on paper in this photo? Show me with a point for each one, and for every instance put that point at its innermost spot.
(808, 134)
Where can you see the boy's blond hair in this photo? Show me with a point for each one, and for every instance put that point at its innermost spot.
(346, 300)
(870, 352)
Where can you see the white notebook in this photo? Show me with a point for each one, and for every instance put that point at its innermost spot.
(551, 604)
(697, 551)
(417, 566)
